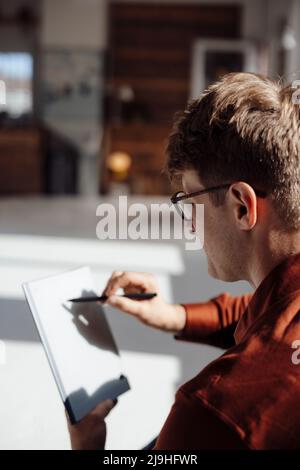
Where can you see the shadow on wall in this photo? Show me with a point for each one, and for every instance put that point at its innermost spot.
(79, 403)
(91, 323)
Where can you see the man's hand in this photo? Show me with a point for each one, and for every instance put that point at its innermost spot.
(155, 312)
(90, 433)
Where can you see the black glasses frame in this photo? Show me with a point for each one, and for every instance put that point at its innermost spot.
(175, 198)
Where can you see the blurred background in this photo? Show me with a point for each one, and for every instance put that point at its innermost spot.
(88, 91)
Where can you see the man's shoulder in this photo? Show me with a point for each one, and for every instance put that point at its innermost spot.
(244, 388)
(212, 374)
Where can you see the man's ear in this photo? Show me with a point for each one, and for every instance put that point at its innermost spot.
(244, 203)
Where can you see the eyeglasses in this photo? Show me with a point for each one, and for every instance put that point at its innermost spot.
(185, 210)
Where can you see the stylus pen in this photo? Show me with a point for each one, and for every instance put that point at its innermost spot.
(102, 298)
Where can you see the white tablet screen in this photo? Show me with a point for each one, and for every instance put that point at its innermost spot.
(77, 339)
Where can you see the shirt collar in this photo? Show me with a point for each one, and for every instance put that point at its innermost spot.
(281, 282)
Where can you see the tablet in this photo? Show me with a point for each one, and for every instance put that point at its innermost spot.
(78, 342)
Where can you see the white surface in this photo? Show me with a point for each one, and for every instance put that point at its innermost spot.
(31, 412)
(31, 407)
(67, 252)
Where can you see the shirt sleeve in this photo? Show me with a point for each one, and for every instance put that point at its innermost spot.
(214, 322)
(192, 426)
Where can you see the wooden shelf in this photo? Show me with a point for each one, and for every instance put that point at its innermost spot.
(151, 48)
(21, 162)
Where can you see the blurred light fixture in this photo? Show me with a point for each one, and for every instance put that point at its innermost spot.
(119, 163)
(126, 93)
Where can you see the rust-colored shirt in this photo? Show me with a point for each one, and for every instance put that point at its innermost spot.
(249, 397)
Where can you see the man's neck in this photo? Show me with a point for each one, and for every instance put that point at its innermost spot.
(272, 254)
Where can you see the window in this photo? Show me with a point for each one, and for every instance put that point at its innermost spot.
(16, 73)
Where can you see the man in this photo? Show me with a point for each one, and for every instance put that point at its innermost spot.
(237, 151)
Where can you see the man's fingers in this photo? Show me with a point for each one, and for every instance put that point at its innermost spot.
(67, 418)
(133, 307)
(127, 279)
(113, 276)
(132, 290)
(100, 411)
(104, 408)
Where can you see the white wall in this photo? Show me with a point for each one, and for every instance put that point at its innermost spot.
(40, 237)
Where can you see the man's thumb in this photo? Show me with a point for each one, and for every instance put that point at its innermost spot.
(106, 406)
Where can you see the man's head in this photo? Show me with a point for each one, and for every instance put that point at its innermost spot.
(244, 130)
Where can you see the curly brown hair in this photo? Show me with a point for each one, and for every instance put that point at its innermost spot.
(244, 127)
